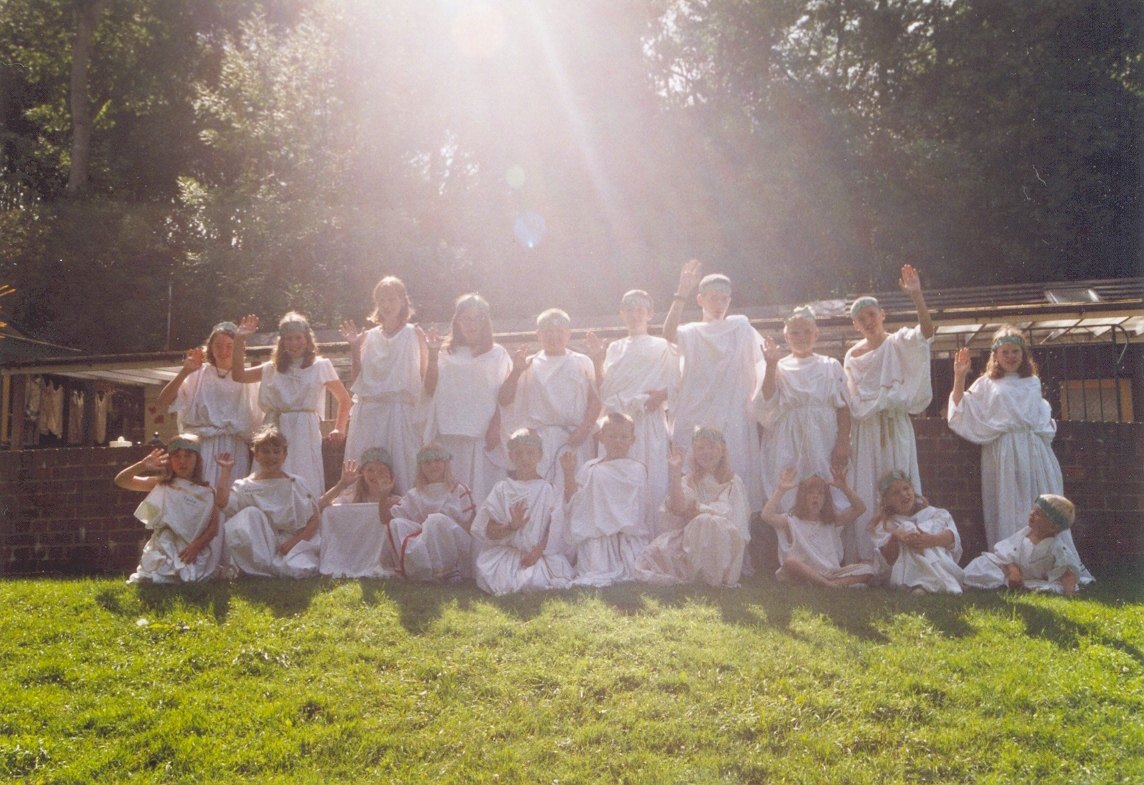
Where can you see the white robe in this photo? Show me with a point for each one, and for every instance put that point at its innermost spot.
(426, 540)
(1043, 565)
(552, 399)
(177, 514)
(386, 394)
(293, 401)
(800, 421)
(352, 542)
(933, 569)
(463, 405)
(708, 548)
(720, 377)
(223, 414)
(633, 368)
(1015, 425)
(605, 520)
(818, 545)
(497, 568)
(884, 387)
(263, 514)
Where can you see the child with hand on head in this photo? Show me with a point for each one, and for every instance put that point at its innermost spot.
(465, 373)
(211, 405)
(272, 524)
(352, 539)
(181, 509)
(553, 392)
(810, 539)
(520, 549)
(1005, 412)
(389, 363)
(919, 544)
(604, 507)
(427, 534)
(1037, 557)
(292, 391)
(706, 513)
(636, 375)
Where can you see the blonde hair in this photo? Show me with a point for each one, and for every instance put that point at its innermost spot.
(722, 471)
(456, 338)
(881, 515)
(827, 514)
(1028, 366)
(271, 436)
(422, 480)
(280, 358)
(361, 488)
(393, 281)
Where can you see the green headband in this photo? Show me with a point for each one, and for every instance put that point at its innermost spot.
(716, 281)
(802, 312)
(472, 301)
(376, 455)
(860, 303)
(293, 326)
(179, 443)
(1009, 339)
(636, 297)
(433, 454)
(553, 318)
(1054, 515)
(707, 432)
(523, 439)
(889, 478)
(225, 327)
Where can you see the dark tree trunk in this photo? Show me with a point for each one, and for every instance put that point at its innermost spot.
(86, 14)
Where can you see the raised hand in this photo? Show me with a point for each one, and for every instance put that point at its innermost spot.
(772, 353)
(350, 332)
(568, 462)
(655, 399)
(788, 479)
(689, 277)
(156, 460)
(521, 360)
(194, 360)
(675, 458)
(519, 513)
(433, 339)
(838, 472)
(247, 327)
(594, 347)
(961, 363)
(350, 471)
(910, 283)
(839, 460)
(224, 461)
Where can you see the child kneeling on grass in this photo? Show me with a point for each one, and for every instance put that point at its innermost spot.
(515, 527)
(1037, 557)
(810, 536)
(918, 543)
(272, 525)
(352, 537)
(181, 509)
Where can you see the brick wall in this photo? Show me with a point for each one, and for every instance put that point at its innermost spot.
(60, 513)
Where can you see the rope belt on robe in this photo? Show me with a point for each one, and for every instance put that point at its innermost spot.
(272, 418)
(395, 396)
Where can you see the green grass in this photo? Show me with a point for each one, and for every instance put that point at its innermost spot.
(322, 681)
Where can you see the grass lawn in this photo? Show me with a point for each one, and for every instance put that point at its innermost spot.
(320, 681)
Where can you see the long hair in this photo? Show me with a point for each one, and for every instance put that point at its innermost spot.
(279, 356)
(1028, 366)
(881, 515)
(167, 476)
(722, 471)
(361, 488)
(827, 514)
(423, 481)
(393, 281)
(456, 338)
(216, 332)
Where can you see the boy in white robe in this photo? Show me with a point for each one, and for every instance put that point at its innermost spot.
(803, 410)
(1037, 557)
(553, 393)
(720, 355)
(427, 534)
(887, 379)
(917, 543)
(1005, 412)
(637, 375)
(604, 509)
(521, 549)
(273, 521)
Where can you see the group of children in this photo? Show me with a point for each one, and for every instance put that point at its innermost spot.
(642, 459)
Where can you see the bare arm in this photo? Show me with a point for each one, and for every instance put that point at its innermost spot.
(911, 285)
(432, 354)
(770, 513)
(354, 338)
(349, 475)
(1068, 582)
(584, 429)
(307, 533)
(840, 455)
(520, 363)
(130, 479)
(677, 503)
(344, 400)
(222, 490)
(238, 370)
(195, 547)
(961, 366)
(857, 507)
(568, 464)
(688, 280)
(772, 354)
(193, 362)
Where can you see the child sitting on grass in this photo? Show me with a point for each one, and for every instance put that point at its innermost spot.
(351, 537)
(272, 525)
(1037, 557)
(514, 526)
(181, 509)
(918, 543)
(810, 535)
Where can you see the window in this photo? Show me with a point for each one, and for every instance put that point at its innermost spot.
(1097, 400)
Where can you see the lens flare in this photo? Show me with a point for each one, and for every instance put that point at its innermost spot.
(515, 177)
(528, 228)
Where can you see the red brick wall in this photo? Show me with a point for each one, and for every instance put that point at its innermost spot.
(60, 513)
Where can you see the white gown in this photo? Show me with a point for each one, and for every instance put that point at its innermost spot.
(1043, 565)
(223, 414)
(818, 545)
(800, 421)
(463, 405)
(884, 387)
(352, 541)
(932, 569)
(633, 368)
(720, 377)
(498, 569)
(387, 393)
(293, 401)
(1015, 425)
(552, 399)
(604, 520)
(177, 514)
(426, 540)
(263, 514)
(708, 548)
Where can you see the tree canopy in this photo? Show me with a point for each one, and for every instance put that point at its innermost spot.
(259, 155)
